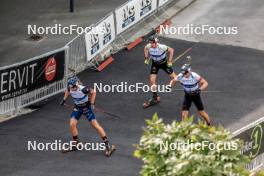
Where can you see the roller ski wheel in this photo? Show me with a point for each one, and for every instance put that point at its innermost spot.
(151, 102)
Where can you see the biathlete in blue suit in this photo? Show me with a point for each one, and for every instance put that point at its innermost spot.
(84, 99)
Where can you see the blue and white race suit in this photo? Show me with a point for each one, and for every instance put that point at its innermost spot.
(82, 104)
(190, 84)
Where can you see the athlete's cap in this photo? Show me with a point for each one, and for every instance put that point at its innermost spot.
(72, 81)
(153, 39)
(185, 68)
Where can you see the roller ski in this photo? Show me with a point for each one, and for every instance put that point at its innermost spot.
(151, 102)
(84, 98)
(110, 150)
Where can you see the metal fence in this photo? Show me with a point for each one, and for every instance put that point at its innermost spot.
(77, 53)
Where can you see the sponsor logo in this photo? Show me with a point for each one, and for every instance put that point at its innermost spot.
(252, 146)
(94, 43)
(50, 69)
(256, 136)
(128, 15)
(14, 81)
(107, 32)
(28, 76)
(145, 7)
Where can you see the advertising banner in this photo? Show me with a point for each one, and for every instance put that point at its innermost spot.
(100, 37)
(253, 144)
(132, 12)
(146, 7)
(23, 78)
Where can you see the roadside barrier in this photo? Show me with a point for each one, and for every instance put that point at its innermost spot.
(252, 135)
(33, 80)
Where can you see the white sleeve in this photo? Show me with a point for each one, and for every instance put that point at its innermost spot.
(178, 77)
(196, 76)
(148, 46)
(163, 47)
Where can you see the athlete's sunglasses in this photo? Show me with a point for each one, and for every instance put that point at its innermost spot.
(185, 73)
(73, 86)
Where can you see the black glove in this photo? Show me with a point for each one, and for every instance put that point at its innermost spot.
(62, 102)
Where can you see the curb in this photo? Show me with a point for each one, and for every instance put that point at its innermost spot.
(134, 43)
(105, 63)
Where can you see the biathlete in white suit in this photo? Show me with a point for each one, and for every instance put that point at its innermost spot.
(84, 99)
(192, 84)
(157, 54)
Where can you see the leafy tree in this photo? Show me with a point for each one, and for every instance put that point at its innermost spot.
(189, 149)
(260, 173)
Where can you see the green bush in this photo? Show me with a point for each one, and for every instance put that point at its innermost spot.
(161, 158)
(260, 173)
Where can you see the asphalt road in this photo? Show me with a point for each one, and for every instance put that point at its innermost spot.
(230, 70)
(16, 15)
(246, 15)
